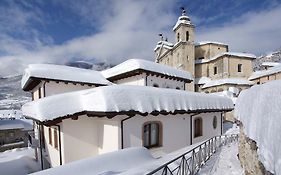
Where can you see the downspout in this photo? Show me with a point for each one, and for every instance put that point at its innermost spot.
(221, 123)
(44, 88)
(122, 131)
(191, 134)
(40, 142)
(145, 83)
(60, 154)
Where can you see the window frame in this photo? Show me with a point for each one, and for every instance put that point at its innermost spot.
(239, 68)
(215, 70)
(50, 136)
(198, 130)
(159, 136)
(56, 145)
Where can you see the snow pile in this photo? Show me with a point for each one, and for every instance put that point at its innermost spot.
(16, 124)
(202, 80)
(209, 42)
(164, 44)
(263, 73)
(227, 94)
(120, 98)
(138, 64)
(60, 72)
(19, 161)
(235, 81)
(271, 64)
(105, 164)
(236, 54)
(258, 108)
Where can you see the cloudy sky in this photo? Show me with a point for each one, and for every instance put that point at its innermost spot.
(111, 31)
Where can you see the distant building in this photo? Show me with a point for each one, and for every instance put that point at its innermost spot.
(214, 68)
(14, 133)
(144, 105)
(272, 72)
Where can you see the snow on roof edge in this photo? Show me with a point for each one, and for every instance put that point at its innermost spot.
(270, 71)
(217, 82)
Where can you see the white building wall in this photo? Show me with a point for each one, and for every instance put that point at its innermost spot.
(134, 80)
(89, 136)
(52, 88)
(208, 130)
(176, 132)
(164, 83)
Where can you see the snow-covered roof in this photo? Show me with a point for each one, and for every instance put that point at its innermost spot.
(202, 80)
(61, 73)
(184, 19)
(209, 42)
(271, 64)
(164, 44)
(258, 108)
(15, 124)
(236, 81)
(121, 99)
(270, 71)
(138, 64)
(237, 54)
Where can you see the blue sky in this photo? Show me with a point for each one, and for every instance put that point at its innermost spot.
(56, 31)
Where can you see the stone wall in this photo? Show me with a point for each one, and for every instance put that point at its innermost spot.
(248, 155)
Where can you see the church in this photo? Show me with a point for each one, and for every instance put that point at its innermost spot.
(213, 66)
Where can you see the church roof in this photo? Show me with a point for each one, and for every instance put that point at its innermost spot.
(36, 72)
(109, 101)
(134, 65)
(209, 42)
(270, 71)
(164, 44)
(236, 54)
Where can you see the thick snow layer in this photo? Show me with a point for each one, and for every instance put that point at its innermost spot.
(263, 73)
(65, 73)
(271, 64)
(238, 81)
(105, 164)
(258, 108)
(15, 124)
(202, 80)
(209, 42)
(123, 98)
(182, 20)
(227, 94)
(237, 54)
(164, 44)
(19, 161)
(135, 64)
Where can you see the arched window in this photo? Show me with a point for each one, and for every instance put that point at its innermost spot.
(198, 123)
(187, 35)
(178, 37)
(215, 122)
(152, 134)
(155, 85)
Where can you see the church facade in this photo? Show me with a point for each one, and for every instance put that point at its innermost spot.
(213, 66)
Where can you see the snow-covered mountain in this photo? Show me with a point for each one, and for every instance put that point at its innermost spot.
(13, 97)
(272, 57)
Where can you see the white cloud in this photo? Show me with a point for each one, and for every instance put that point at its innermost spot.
(255, 32)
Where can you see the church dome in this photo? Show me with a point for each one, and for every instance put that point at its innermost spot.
(183, 19)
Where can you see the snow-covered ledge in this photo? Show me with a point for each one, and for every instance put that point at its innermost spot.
(258, 109)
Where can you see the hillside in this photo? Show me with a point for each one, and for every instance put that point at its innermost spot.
(272, 57)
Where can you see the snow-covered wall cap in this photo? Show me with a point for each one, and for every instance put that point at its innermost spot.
(236, 81)
(271, 64)
(258, 108)
(202, 80)
(119, 99)
(270, 71)
(236, 54)
(209, 42)
(139, 64)
(164, 44)
(64, 73)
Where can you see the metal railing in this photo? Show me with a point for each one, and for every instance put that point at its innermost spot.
(190, 162)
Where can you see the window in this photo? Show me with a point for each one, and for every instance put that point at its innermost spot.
(215, 122)
(215, 70)
(178, 88)
(187, 35)
(50, 136)
(39, 93)
(152, 134)
(155, 85)
(178, 37)
(56, 138)
(12, 134)
(198, 127)
(239, 67)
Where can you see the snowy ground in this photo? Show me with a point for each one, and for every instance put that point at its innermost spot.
(19, 161)
(224, 161)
